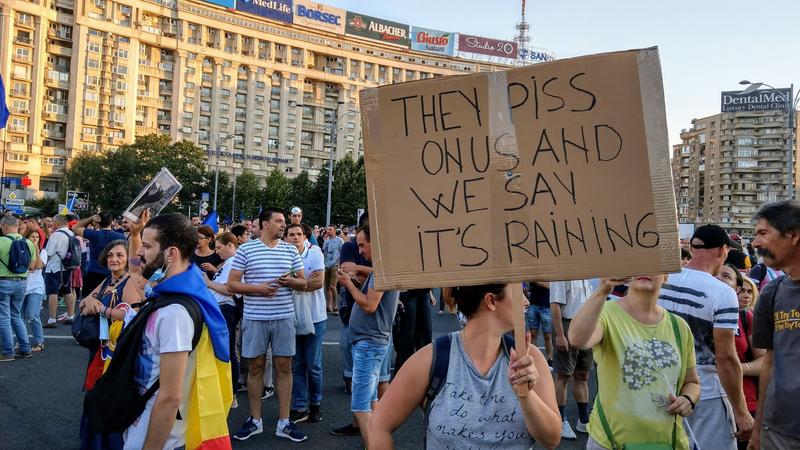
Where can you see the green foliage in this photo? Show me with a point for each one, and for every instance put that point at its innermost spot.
(113, 179)
(47, 205)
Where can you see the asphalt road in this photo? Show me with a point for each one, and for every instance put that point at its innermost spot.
(41, 400)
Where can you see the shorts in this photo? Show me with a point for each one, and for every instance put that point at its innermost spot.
(574, 360)
(257, 335)
(330, 277)
(367, 359)
(537, 316)
(386, 366)
(58, 283)
(713, 424)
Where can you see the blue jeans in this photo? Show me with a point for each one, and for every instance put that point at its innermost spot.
(32, 307)
(347, 353)
(307, 368)
(367, 360)
(386, 366)
(12, 294)
(539, 316)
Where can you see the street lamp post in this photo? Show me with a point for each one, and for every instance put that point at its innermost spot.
(215, 143)
(791, 108)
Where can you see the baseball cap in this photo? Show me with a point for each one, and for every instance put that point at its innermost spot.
(297, 210)
(712, 236)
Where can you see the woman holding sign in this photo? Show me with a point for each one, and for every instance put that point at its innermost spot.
(646, 373)
(470, 400)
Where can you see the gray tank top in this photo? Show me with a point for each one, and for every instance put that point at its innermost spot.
(476, 412)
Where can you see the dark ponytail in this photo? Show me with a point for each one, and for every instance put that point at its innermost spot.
(469, 298)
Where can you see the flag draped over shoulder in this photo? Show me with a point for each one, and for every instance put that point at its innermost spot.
(211, 394)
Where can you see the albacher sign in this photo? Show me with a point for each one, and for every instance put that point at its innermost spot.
(432, 41)
(487, 46)
(378, 29)
(319, 16)
(272, 9)
(761, 100)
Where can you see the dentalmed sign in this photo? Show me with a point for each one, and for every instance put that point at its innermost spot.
(321, 17)
(280, 10)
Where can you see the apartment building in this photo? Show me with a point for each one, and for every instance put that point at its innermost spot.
(258, 94)
(729, 164)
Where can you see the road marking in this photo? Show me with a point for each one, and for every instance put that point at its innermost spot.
(48, 336)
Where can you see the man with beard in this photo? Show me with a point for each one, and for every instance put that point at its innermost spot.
(711, 309)
(775, 327)
(266, 270)
(168, 350)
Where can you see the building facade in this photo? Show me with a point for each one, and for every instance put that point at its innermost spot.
(730, 164)
(258, 94)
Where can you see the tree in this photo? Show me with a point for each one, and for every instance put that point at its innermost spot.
(349, 190)
(277, 192)
(114, 178)
(47, 205)
(303, 194)
(248, 195)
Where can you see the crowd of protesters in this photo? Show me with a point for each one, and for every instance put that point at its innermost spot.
(703, 358)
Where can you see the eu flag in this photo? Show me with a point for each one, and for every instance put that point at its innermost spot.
(3, 107)
(211, 220)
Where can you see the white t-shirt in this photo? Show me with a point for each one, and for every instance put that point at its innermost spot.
(222, 278)
(169, 329)
(35, 279)
(705, 303)
(314, 261)
(571, 295)
(57, 247)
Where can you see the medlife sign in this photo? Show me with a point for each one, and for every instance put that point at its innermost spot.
(760, 100)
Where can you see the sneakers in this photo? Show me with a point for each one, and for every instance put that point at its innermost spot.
(315, 414)
(65, 319)
(291, 432)
(268, 392)
(441, 313)
(6, 358)
(298, 416)
(235, 403)
(347, 430)
(23, 355)
(37, 347)
(566, 431)
(49, 324)
(249, 428)
(580, 427)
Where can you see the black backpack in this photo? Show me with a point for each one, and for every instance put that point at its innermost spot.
(439, 366)
(114, 403)
(72, 258)
(19, 256)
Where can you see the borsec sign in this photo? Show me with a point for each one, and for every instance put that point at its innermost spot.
(322, 17)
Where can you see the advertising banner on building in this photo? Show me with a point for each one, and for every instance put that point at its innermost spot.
(381, 30)
(433, 41)
(535, 55)
(760, 100)
(322, 17)
(486, 46)
(280, 10)
(511, 181)
(225, 3)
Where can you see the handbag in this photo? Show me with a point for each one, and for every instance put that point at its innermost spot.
(645, 445)
(302, 313)
(86, 329)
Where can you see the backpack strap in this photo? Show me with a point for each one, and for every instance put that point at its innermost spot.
(439, 365)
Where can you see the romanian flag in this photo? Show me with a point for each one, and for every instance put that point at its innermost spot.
(211, 394)
(3, 107)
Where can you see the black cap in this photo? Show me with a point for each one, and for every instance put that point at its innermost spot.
(712, 236)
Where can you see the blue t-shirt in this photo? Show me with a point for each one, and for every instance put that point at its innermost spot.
(351, 254)
(376, 327)
(98, 239)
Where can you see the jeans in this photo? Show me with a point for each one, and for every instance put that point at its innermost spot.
(347, 354)
(385, 375)
(12, 294)
(32, 307)
(231, 315)
(367, 360)
(307, 368)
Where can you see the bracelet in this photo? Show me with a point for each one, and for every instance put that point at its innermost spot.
(690, 400)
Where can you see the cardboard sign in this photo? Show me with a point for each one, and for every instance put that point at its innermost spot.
(555, 171)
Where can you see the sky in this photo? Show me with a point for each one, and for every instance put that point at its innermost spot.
(706, 46)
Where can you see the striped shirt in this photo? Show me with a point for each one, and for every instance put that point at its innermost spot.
(260, 264)
(705, 303)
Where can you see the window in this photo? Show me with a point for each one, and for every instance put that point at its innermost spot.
(19, 106)
(92, 63)
(53, 161)
(746, 163)
(23, 157)
(23, 54)
(122, 53)
(18, 124)
(89, 130)
(94, 47)
(89, 112)
(260, 85)
(121, 85)
(90, 96)
(122, 70)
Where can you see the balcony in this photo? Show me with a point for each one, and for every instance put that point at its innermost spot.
(25, 23)
(59, 50)
(19, 93)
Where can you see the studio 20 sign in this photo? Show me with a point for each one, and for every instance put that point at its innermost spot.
(322, 17)
(432, 41)
(378, 29)
(487, 46)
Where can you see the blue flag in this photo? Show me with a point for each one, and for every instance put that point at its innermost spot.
(3, 107)
(211, 220)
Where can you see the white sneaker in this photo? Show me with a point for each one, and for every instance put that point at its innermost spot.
(235, 403)
(580, 427)
(566, 431)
